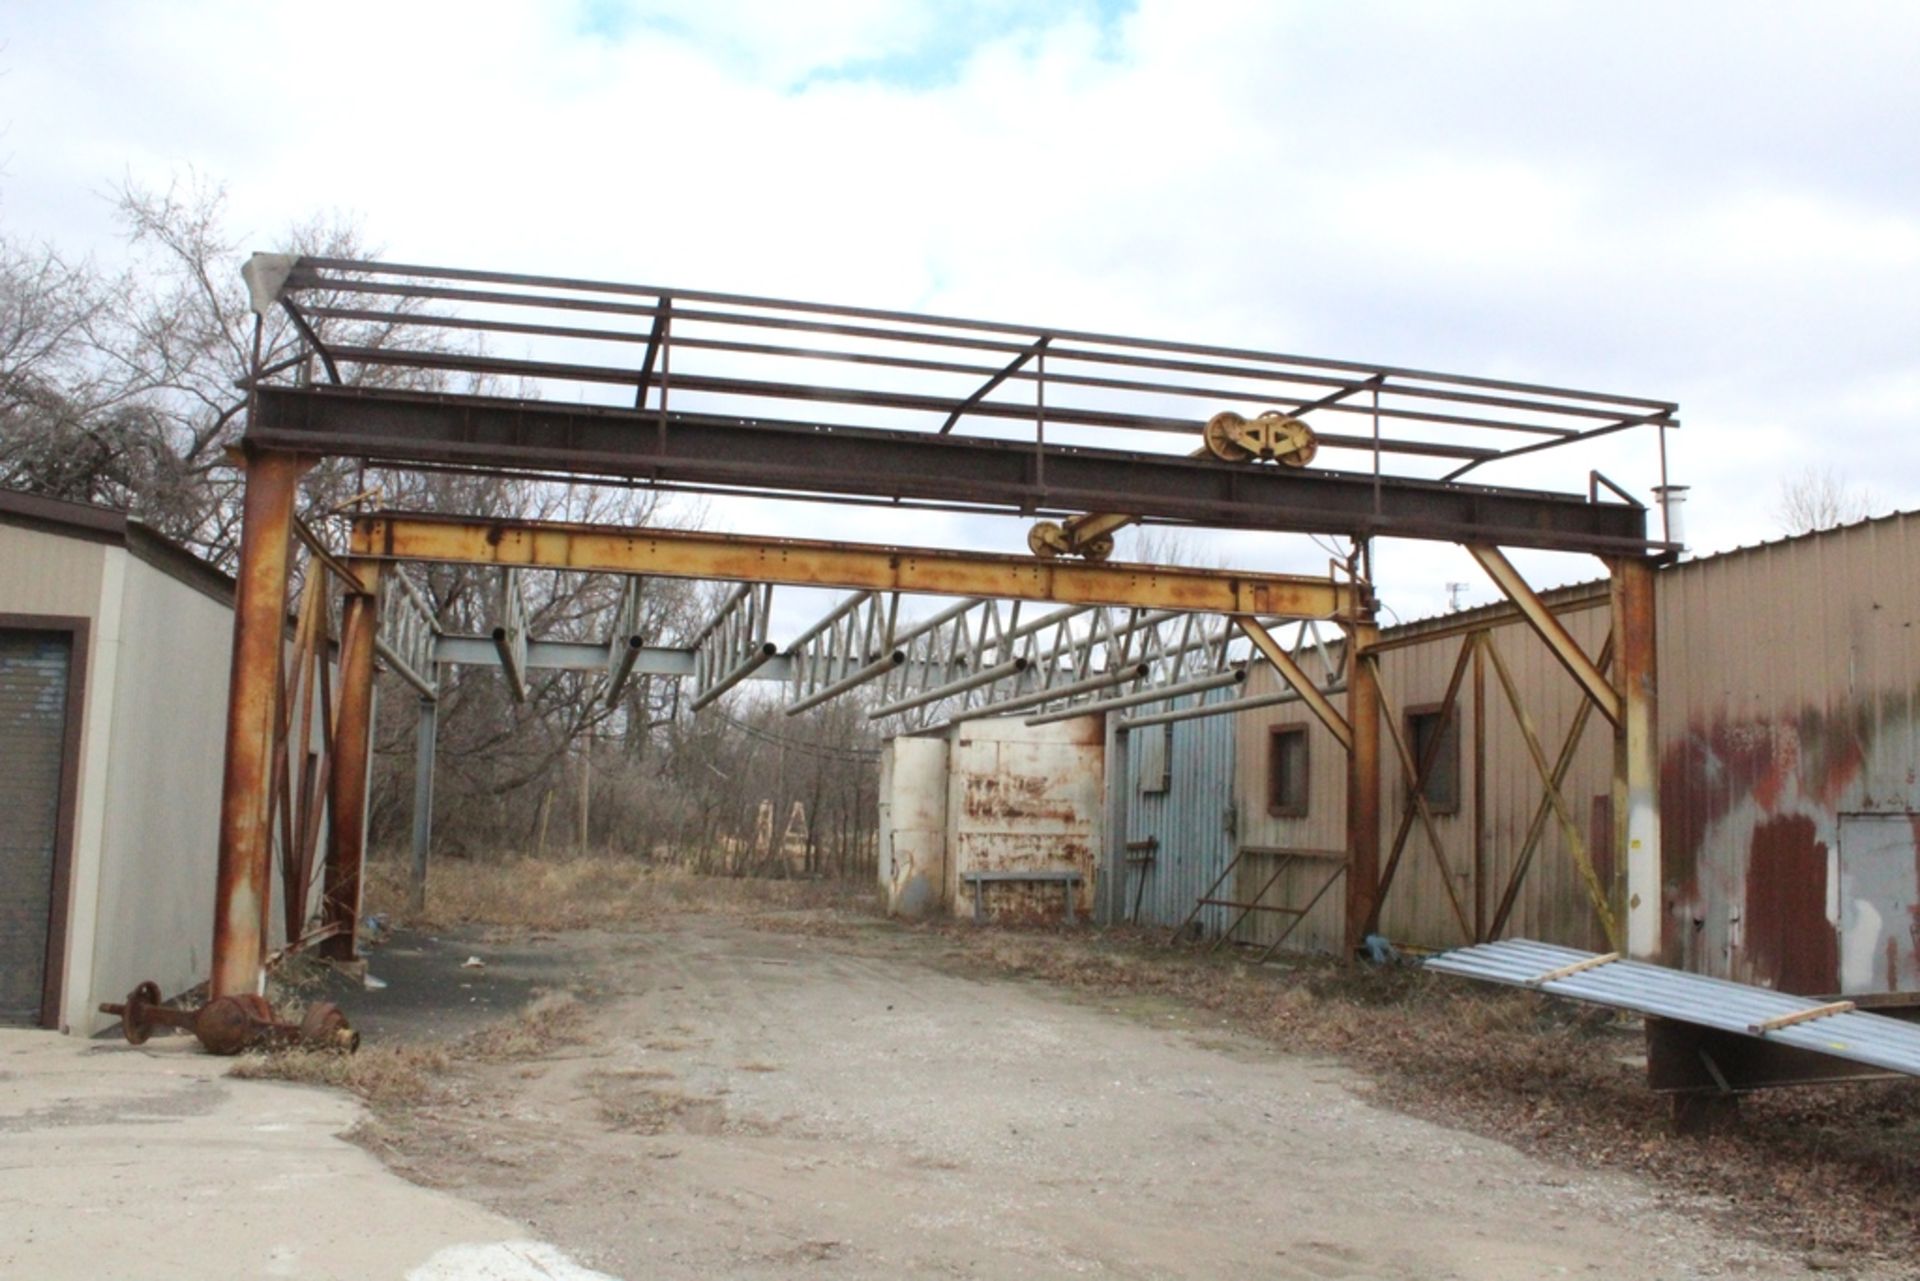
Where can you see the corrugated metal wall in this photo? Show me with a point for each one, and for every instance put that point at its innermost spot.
(1790, 767)
(1483, 850)
(1323, 827)
(1191, 818)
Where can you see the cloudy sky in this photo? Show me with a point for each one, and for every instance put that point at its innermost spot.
(1714, 203)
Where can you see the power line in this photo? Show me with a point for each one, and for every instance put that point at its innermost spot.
(801, 745)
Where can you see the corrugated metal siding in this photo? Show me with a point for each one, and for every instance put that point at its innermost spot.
(34, 672)
(1323, 827)
(1192, 819)
(1790, 675)
(1552, 902)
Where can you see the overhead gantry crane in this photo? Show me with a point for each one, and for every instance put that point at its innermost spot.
(693, 391)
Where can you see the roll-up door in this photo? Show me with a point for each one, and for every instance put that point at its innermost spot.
(35, 670)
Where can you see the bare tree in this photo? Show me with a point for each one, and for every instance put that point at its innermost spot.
(1818, 498)
(128, 389)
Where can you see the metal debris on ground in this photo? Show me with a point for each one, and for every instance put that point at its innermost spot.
(230, 1024)
(1833, 1028)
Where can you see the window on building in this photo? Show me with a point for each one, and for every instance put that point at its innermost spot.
(1155, 767)
(1442, 788)
(1287, 771)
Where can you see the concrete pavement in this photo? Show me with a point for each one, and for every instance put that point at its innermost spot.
(149, 1163)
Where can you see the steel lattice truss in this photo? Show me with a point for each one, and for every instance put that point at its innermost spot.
(975, 657)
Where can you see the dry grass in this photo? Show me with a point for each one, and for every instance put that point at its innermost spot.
(584, 893)
(551, 1021)
(393, 1078)
(1831, 1170)
(386, 1076)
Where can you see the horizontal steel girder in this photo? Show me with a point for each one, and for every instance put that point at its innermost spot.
(807, 458)
(586, 656)
(733, 557)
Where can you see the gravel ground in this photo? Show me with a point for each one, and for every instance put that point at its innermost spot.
(860, 1101)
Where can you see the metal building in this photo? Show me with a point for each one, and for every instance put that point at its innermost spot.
(1789, 755)
(113, 690)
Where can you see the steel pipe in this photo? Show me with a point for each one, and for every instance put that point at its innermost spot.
(1160, 693)
(1230, 707)
(751, 664)
(1106, 680)
(879, 667)
(620, 667)
(404, 670)
(986, 676)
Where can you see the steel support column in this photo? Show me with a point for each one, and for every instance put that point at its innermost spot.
(1636, 773)
(425, 735)
(1363, 785)
(352, 760)
(253, 706)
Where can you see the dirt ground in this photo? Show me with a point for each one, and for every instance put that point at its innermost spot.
(848, 1099)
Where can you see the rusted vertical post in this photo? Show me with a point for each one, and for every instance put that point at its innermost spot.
(244, 885)
(1363, 786)
(1636, 772)
(352, 756)
(1481, 640)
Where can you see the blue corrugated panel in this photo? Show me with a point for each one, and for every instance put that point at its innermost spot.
(1191, 819)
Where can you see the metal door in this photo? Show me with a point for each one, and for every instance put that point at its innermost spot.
(35, 669)
(1879, 925)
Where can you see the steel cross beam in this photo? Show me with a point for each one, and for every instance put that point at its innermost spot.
(817, 459)
(739, 558)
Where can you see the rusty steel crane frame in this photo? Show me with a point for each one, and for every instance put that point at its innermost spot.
(672, 390)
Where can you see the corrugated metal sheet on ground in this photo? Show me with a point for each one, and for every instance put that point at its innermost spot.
(1691, 998)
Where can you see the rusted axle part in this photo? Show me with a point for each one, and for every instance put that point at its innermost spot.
(230, 1024)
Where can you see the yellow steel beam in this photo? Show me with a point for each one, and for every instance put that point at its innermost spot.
(1550, 629)
(673, 553)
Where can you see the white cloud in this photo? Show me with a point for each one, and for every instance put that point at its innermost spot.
(1705, 202)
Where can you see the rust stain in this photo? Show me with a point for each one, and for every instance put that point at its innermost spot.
(1789, 939)
(1021, 797)
(1776, 763)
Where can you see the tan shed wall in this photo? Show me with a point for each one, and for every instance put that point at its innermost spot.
(43, 573)
(160, 831)
(1322, 828)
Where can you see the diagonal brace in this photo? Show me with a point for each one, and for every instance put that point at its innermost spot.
(1310, 693)
(1585, 672)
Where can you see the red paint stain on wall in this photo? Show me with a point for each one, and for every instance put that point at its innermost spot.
(1790, 943)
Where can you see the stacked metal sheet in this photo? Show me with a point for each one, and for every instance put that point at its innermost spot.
(1691, 998)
